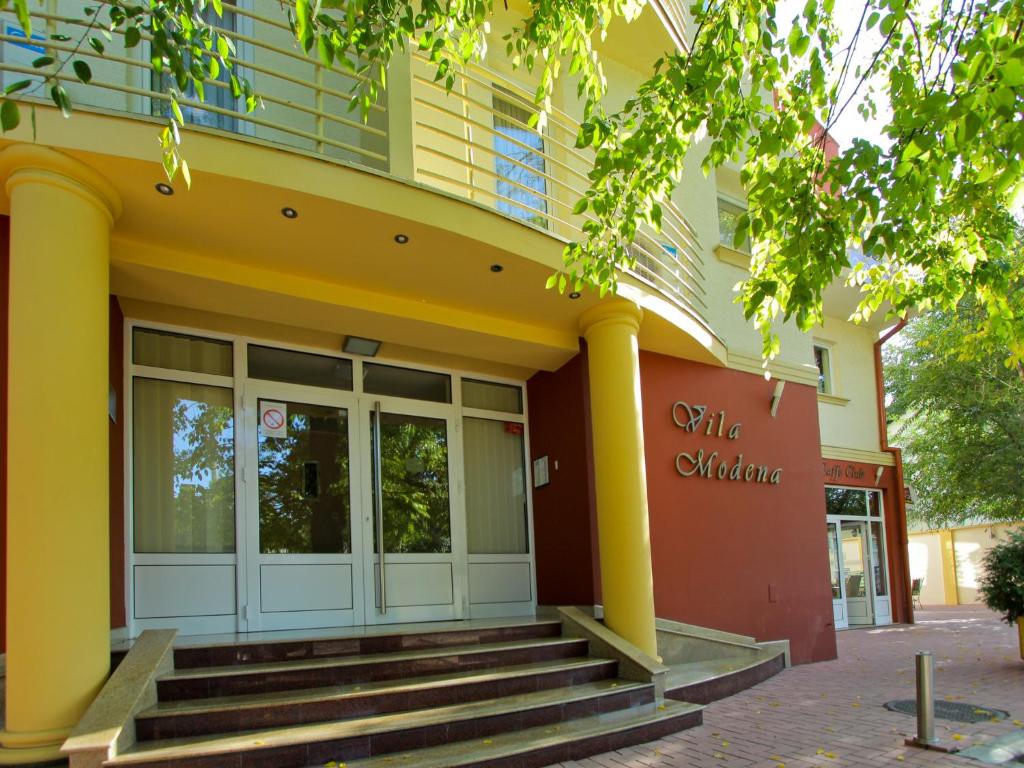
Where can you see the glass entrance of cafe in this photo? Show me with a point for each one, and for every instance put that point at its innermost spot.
(275, 487)
(855, 529)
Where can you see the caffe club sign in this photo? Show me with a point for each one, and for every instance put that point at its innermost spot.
(710, 462)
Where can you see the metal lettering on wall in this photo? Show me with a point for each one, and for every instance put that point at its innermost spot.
(710, 464)
(835, 472)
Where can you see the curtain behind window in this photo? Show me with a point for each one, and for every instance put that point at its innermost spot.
(495, 487)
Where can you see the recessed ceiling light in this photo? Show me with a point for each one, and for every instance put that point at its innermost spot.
(356, 345)
(165, 189)
(497, 268)
(289, 213)
(575, 295)
(401, 239)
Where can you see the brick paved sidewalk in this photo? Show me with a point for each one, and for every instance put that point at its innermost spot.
(831, 714)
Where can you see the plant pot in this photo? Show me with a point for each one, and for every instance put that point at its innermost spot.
(1020, 634)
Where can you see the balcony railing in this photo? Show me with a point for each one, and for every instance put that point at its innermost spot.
(474, 142)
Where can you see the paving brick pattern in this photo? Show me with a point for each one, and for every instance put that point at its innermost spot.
(831, 714)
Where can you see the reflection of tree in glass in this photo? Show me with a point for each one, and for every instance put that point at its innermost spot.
(414, 457)
(845, 501)
(204, 478)
(304, 484)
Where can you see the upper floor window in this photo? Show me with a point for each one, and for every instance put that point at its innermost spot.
(519, 160)
(823, 359)
(217, 92)
(728, 219)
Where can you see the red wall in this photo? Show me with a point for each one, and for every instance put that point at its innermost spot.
(565, 536)
(117, 549)
(858, 475)
(740, 556)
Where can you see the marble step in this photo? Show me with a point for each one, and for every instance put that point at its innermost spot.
(231, 714)
(703, 682)
(363, 641)
(349, 740)
(545, 745)
(273, 677)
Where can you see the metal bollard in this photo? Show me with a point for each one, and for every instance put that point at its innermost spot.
(925, 699)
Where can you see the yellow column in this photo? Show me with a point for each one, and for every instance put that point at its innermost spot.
(58, 612)
(950, 594)
(627, 585)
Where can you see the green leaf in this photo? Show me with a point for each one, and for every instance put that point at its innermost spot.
(132, 37)
(24, 18)
(9, 115)
(42, 61)
(60, 98)
(18, 86)
(82, 70)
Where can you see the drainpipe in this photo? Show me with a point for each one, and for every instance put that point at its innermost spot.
(897, 454)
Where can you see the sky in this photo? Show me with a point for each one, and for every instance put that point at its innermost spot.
(850, 124)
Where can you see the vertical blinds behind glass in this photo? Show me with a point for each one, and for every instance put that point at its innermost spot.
(495, 487)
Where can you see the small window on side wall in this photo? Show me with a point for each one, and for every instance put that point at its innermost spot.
(823, 359)
(728, 221)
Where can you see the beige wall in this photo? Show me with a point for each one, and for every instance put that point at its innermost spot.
(969, 545)
(925, 552)
(849, 418)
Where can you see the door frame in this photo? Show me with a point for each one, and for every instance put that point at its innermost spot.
(879, 605)
(866, 575)
(457, 515)
(239, 380)
(251, 561)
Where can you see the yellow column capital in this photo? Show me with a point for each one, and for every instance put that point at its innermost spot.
(30, 163)
(614, 310)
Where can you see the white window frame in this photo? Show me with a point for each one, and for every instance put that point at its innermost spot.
(238, 381)
(881, 604)
(831, 381)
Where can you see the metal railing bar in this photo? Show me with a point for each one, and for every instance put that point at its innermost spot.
(121, 88)
(492, 130)
(570, 149)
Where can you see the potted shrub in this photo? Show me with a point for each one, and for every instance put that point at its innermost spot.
(1002, 582)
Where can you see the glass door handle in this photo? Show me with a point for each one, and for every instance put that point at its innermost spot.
(378, 498)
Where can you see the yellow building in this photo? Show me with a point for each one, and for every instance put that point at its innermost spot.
(946, 563)
(220, 400)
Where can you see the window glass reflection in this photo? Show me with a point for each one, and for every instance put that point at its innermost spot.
(845, 501)
(878, 560)
(183, 479)
(833, 560)
(414, 475)
(304, 483)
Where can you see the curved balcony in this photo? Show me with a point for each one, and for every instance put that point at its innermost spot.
(473, 142)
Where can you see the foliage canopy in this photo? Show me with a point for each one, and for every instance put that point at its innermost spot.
(932, 209)
(959, 415)
(1002, 581)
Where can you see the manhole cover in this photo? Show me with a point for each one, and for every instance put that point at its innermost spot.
(950, 710)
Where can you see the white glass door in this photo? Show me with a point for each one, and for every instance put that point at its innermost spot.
(856, 573)
(835, 571)
(409, 503)
(302, 482)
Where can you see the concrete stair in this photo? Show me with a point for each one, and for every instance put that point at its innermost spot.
(518, 694)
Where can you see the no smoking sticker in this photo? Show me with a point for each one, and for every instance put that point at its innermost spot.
(273, 419)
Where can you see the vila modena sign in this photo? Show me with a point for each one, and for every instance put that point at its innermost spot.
(713, 465)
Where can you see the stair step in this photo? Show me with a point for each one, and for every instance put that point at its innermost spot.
(387, 641)
(703, 682)
(348, 740)
(233, 714)
(546, 745)
(317, 673)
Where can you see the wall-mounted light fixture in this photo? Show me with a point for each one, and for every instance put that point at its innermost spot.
(777, 397)
(356, 345)
(164, 189)
(878, 474)
(289, 213)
